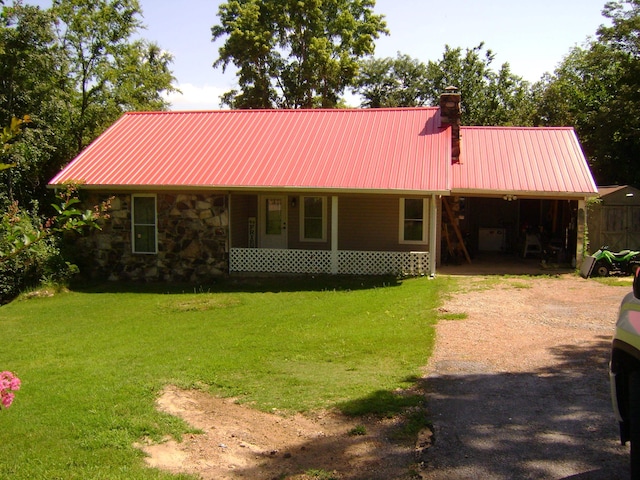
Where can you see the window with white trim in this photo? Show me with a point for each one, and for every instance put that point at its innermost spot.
(414, 216)
(313, 219)
(144, 226)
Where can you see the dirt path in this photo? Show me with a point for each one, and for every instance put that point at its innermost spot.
(518, 389)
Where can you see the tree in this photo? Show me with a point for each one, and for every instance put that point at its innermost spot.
(28, 59)
(622, 35)
(29, 85)
(74, 69)
(104, 71)
(71, 71)
(488, 97)
(393, 82)
(596, 89)
(294, 53)
(29, 253)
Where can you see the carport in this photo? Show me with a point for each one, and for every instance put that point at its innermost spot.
(503, 226)
(517, 193)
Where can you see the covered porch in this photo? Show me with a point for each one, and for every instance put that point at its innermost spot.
(346, 234)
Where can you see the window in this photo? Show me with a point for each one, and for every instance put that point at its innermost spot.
(273, 216)
(414, 220)
(313, 219)
(143, 226)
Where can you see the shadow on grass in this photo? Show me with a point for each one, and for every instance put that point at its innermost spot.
(259, 284)
(549, 423)
(382, 403)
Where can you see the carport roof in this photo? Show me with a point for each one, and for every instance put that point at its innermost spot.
(521, 160)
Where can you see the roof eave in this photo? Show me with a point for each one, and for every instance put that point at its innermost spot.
(522, 194)
(251, 188)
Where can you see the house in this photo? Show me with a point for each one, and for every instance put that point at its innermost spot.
(353, 191)
(614, 220)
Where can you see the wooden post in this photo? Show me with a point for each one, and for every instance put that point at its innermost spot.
(581, 226)
(334, 235)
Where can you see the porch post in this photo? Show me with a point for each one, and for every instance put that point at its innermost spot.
(433, 235)
(581, 225)
(334, 234)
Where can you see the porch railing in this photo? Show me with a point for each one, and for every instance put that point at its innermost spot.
(269, 260)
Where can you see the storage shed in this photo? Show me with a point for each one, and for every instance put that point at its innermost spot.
(614, 220)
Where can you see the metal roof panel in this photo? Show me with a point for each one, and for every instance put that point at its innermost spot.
(521, 159)
(375, 149)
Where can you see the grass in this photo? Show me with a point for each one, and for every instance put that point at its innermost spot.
(358, 430)
(321, 474)
(93, 360)
(615, 280)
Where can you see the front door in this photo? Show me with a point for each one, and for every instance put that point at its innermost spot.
(273, 221)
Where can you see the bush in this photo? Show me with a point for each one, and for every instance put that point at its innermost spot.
(28, 258)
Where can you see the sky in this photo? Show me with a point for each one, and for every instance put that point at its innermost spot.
(533, 37)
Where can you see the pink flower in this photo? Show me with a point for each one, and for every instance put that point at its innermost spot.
(8, 383)
(7, 399)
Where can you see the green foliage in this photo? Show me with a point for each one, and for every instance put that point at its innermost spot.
(489, 97)
(30, 84)
(393, 82)
(66, 73)
(28, 252)
(7, 137)
(92, 362)
(105, 71)
(294, 54)
(74, 69)
(28, 66)
(23, 269)
(29, 255)
(596, 90)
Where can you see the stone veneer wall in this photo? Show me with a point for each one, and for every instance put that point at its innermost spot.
(192, 240)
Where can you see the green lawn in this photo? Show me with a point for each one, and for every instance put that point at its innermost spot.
(93, 360)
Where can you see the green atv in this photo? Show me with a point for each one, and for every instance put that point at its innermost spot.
(624, 373)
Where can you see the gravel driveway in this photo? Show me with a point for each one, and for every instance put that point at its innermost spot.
(519, 389)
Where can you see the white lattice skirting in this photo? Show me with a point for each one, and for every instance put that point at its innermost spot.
(268, 260)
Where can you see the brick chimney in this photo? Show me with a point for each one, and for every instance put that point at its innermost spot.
(450, 115)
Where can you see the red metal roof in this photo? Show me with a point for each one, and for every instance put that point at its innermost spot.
(540, 161)
(400, 150)
(376, 150)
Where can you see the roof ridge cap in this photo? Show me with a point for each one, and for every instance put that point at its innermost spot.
(277, 110)
(515, 127)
